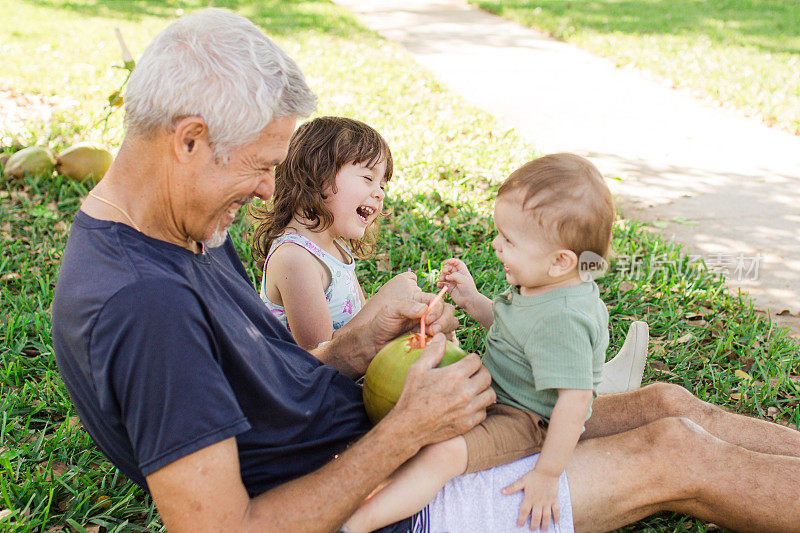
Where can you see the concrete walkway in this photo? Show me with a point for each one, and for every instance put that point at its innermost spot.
(725, 185)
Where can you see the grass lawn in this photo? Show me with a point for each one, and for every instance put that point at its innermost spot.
(740, 53)
(449, 159)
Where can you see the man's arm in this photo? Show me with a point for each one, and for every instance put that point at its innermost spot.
(204, 492)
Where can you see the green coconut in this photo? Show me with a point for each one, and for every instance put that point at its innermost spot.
(386, 373)
(32, 160)
(84, 160)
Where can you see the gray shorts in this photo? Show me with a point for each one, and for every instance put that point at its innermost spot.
(474, 503)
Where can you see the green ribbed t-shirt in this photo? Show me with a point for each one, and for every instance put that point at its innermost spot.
(537, 344)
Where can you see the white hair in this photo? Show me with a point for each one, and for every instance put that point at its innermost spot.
(219, 66)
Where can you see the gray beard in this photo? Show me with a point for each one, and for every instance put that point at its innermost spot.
(217, 239)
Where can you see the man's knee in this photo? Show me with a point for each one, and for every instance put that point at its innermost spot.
(673, 435)
(676, 451)
(675, 401)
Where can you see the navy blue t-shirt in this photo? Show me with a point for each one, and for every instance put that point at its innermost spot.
(165, 352)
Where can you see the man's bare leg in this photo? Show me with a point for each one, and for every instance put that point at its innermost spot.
(617, 413)
(673, 464)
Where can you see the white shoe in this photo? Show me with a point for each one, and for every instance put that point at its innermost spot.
(624, 372)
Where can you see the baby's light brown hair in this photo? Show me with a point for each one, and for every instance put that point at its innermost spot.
(567, 196)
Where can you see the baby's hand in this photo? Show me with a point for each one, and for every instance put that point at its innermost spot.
(540, 501)
(455, 275)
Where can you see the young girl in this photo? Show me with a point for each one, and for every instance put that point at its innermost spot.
(328, 197)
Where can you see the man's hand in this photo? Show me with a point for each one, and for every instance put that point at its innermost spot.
(401, 316)
(440, 403)
(402, 287)
(540, 501)
(354, 345)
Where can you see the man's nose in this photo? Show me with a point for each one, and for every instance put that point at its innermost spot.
(266, 187)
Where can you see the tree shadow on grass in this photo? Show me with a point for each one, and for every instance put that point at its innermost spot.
(274, 16)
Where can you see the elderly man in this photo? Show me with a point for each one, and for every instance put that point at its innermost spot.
(199, 395)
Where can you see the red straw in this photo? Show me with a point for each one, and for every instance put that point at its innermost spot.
(422, 337)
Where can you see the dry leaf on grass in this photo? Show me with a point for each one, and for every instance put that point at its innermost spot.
(658, 349)
(625, 286)
(88, 528)
(104, 501)
(665, 372)
(686, 338)
(56, 470)
(454, 249)
(747, 363)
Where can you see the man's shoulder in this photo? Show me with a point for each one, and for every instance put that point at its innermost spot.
(101, 258)
(109, 268)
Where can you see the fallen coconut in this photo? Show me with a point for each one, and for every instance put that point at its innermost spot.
(84, 160)
(32, 160)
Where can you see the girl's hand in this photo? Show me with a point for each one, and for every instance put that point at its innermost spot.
(540, 500)
(455, 275)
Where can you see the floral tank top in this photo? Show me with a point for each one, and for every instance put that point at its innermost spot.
(342, 295)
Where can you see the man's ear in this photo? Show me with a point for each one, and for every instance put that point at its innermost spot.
(189, 138)
(563, 262)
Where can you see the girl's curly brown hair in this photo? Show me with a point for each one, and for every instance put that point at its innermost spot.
(317, 151)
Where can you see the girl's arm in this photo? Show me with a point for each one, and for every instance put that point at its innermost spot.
(541, 484)
(300, 279)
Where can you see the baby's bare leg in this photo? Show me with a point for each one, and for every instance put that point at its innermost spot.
(412, 486)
